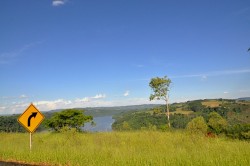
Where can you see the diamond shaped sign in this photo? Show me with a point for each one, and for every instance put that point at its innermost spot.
(31, 118)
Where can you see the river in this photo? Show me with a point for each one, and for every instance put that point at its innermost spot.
(103, 123)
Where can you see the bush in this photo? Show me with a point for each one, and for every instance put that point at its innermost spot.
(216, 123)
(239, 131)
(197, 126)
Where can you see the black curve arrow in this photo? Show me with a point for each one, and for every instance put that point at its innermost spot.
(31, 116)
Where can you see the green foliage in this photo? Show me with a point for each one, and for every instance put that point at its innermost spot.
(239, 131)
(180, 121)
(68, 119)
(197, 126)
(160, 87)
(10, 124)
(147, 120)
(216, 123)
(125, 126)
(158, 111)
(195, 106)
(138, 121)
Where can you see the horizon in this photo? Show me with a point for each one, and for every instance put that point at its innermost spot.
(125, 105)
(73, 53)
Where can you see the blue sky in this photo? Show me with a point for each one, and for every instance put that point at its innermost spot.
(81, 53)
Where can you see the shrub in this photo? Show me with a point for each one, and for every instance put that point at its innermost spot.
(239, 131)
(216, 123)
(197, 125)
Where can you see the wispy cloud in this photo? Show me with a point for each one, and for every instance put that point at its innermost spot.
(204, 76)
(58, 2)
(140, 66)
(213, 73)
(7, 57)
(99, 96)
(126, 93)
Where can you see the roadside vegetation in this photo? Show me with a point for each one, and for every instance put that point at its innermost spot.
(222, 117)
(72, 148)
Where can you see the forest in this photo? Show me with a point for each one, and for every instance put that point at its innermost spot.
(233, 113)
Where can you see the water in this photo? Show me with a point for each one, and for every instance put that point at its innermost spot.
(102, 124)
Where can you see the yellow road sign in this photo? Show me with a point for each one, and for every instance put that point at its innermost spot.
(31, 118)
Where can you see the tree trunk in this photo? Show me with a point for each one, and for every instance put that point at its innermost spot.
(167, 113)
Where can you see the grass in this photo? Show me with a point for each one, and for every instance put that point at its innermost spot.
(123, 148)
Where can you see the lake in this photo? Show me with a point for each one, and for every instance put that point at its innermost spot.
(103, 123)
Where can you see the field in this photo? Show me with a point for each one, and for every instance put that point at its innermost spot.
(181, 111)
(212, 103)
(123, 148)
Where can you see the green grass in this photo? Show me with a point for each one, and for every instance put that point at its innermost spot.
(124, 148)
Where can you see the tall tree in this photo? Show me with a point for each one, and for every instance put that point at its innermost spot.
(70, 118)
(160, 88)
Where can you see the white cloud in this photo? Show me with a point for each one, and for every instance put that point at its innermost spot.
(99, 96)
(126, 93)
(244, 90)
(58, 2)
(23, 96)
(225, 92)
(47, 105)
(2, 109)
(54, 104)
(85, 99)
(204, 77)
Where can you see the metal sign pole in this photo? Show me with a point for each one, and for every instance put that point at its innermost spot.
(30, 141)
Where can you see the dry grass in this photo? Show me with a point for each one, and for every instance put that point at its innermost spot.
(212, 103)
(181, 111)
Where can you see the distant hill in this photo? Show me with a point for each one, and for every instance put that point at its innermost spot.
(244, 98)
(110, 111)
(235, 111)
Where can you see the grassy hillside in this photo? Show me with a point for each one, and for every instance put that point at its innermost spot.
(235, 112)
(123, 148)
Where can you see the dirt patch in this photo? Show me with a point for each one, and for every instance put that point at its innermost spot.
(18, 163)
(8, 163)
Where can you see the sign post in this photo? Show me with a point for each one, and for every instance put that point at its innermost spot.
(30, 141)
(31, 119)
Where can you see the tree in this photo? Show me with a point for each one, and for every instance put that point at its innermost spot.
(10, 124)
(216, 123)
(69, 118)
(195, 106)
(160, 88)
(197, 125)
(125, 126)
